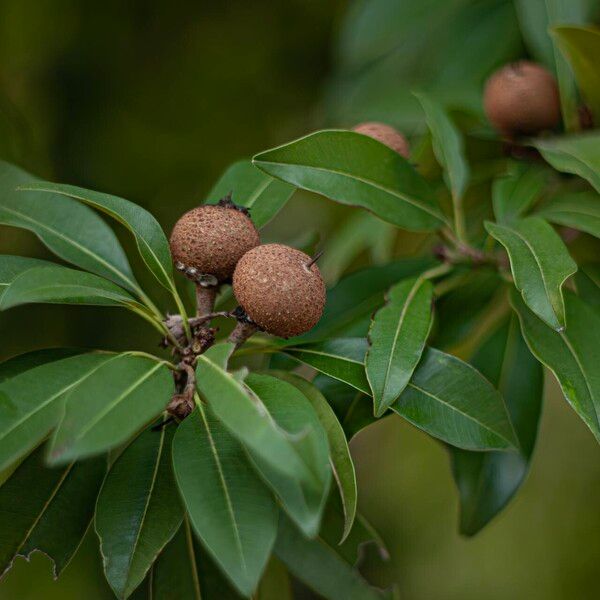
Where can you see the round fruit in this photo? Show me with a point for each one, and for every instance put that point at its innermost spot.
(385, 134)
(278, 290)
(210, 239)
(522, 99)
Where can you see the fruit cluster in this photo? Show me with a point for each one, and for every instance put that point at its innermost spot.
(279, 289)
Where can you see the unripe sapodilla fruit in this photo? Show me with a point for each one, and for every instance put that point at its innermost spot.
(522, 99)
(385, 134)
(278, 291)
(212, 238)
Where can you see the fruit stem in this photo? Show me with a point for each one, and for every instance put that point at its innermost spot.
(242, 331)
(205, 299)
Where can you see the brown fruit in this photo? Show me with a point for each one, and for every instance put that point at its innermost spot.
(385, 134)
(210, 239)
(278, 291)
(522, 99)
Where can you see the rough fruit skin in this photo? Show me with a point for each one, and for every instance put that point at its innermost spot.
(522, 99)
(385, 134)
(278, 291)
(212, 239)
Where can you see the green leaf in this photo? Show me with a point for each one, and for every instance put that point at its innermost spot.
(71, 231)
(106, 408)
(138, 510)
(581, 47)
(61, 285)
(23, 362)
(577, 154)
(571, 354)
(31, 403)
(587, 284)
(515, 193)
(319, 567)
(12, 266)
(293, 414)
(352, 301)
(149, 236)
(229, 507)
(354, 169)
(340, 458)
(488, 480)
(47, 510)
(397, 337)
(536, 18)
(263, 195)
(448, 145)
(341, 358)
(540, 263)
(185, 572)
(580, 210)
(248, 420)
(452, 401)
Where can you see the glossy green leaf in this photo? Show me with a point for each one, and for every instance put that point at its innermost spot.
(47, 510)
(106, 408)
(352, 301)
(320, 567)
(452, 401)
(577, 154)
(12, 266)
(572, 355)
(397, 337)
(488, 480)
(587, 284)
(540, 263)
(263, 195)
(70, 230)
(448, 145)
(514, 194)
(31, 402)
(354, 169)
(581, 47)
(341, 358)
(248, 420)
(580, 210)
(293, 414)
(230, 509)
(340, 458)
(184, 571)
(138, 510)
(61, 285)
(23, 362)
(149, 236)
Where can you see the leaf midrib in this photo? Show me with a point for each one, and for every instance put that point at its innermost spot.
(421, 205)
(222, 479)
(454, 408)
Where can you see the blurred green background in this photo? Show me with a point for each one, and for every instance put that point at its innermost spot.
(151, 100)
